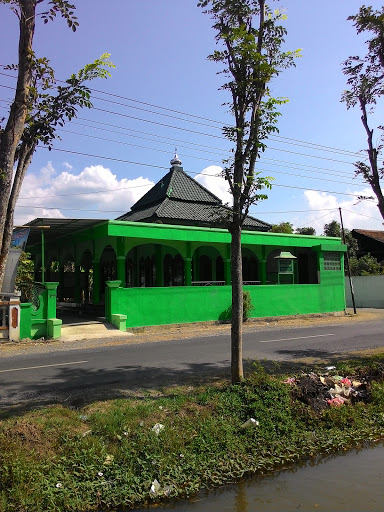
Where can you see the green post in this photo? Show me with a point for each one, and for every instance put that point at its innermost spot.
(96, 281)
(159, 266)
(188, 271)
(227, 271)
(42, 256)
(121, 269)
(263, 266)
(51, 289)
(111, 285)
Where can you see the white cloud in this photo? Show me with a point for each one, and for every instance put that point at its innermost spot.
(356, 214)
(87, 194)
(211, 179)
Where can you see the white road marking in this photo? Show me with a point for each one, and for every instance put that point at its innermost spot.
(43, 366)
(298, 338)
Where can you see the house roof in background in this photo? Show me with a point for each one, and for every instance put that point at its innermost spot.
(370, 233)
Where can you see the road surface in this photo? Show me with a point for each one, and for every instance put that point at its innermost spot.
(83, 375)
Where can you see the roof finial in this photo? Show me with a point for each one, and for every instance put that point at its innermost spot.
(176, 160)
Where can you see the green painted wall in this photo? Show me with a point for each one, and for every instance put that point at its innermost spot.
(159, 306)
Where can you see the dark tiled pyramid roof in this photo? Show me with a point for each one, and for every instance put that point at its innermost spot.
(179, 199)
(177, 185)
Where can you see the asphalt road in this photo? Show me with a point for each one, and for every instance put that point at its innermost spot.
(80, 376)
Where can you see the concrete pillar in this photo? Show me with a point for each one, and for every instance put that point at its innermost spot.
(120, 262)
(110, 286)
(51, 299)
(159, 266)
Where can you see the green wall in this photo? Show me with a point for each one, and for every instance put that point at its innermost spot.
(159, 306)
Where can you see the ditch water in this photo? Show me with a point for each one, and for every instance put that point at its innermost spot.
(352, 481)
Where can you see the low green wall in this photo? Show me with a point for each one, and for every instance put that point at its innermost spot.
(184, 304)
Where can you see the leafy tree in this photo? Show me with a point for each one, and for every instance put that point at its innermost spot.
(367, 265)
(306, 231)
(250, 38)
(334, 229)
(365, 78)
(283, 227)
(38, 109)
(25, 276)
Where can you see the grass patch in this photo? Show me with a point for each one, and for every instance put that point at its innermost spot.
(107, 455)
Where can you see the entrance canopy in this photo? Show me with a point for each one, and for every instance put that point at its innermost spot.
(59, 229)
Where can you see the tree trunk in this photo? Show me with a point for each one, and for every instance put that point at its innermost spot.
(237, 306)
(14, 128)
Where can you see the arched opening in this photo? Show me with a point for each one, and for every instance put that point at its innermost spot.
(67, 291)
(207, 266)
(250, 265)
(220, 269)
(86, 278)
(107, 268)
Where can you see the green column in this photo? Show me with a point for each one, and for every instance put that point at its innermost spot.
(110, 286)
(159, 266)
(188, 271)
(263, 267)
(121, 269)
(263, 271)
(227, 271)
(96, 281)
(77, 291)
(51, 299)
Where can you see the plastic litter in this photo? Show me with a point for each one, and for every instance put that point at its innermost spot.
(157, 428)
(250, 423)
(155, 488)
(330, 367)
(336, 402)
(290, 380)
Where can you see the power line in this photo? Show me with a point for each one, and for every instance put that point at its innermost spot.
(201, 158)
(220, 123)
(160, 167)
(340, 173)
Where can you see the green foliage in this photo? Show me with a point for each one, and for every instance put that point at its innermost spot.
(247, 306)
(367, 265)
(25, 270)
(365, 79)
(250, 39)
(283, 227)
(106, 455)
(334, 229)
(306, 231)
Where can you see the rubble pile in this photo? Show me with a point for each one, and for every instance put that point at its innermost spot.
(324, 390)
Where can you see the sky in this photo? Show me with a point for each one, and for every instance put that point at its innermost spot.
(164, 94)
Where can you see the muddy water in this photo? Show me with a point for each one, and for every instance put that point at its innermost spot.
(351, 482)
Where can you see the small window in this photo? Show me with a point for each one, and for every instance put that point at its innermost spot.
(332, 261)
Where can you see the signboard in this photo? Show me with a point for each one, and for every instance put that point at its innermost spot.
(18, 243)
(285, 266)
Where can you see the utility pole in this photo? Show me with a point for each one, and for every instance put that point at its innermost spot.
(348, 266)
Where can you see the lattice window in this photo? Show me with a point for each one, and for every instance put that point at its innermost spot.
(332, 261)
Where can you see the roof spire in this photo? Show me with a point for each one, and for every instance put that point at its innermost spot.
(176, 162)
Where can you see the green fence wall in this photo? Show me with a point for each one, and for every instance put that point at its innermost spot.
(184, 304)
